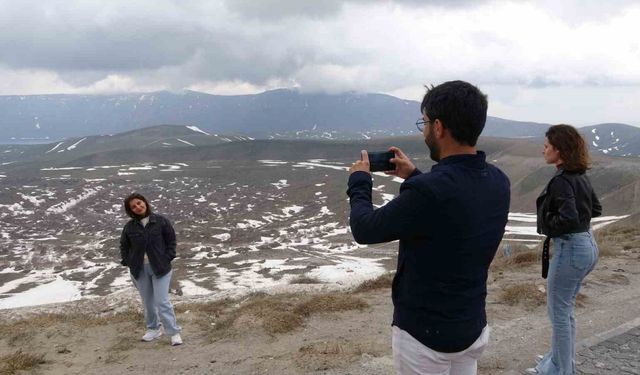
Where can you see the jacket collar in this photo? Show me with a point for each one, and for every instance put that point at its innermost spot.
(559, 171)
(152, 218)
(475, 161)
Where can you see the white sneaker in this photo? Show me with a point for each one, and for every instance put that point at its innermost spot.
(176, 340)
(539, 358)
(531, 371)
(152, 334)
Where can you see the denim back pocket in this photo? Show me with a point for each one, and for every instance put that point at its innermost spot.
(582, 252)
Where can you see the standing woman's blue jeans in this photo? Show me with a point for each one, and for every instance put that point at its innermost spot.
(574, 256)
(155, 297)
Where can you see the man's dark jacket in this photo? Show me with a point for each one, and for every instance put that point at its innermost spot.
(567, 204)
(157, 239)
(449, 223)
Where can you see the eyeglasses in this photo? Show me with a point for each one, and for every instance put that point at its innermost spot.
(420, 124)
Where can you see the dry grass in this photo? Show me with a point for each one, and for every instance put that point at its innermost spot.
(285, 313)
(381, 282)
(210, 308)
(15, 334)
(305, 280)
(581, 300)
(616, 279)
(490, 365)
(521, 256)
(622, 230)
(332, 302)
(526, 258)
(218, 320)
(116, 353)
(263, 304)
(22, 331)
(332, 348)
(322, 356)
(78, 319)
(281, 322)
(613, 239)
(531, 297)
(523, 259)
(608, 251)
(276, 314)
(215, 327)
(19, 361)
(212, 318)
(527, 294)
(131, 315)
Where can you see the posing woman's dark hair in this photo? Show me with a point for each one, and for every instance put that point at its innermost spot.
(127, 207)
(571, 146)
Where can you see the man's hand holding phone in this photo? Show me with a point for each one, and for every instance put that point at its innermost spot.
(404, 166)
(362, 164)
(393, 162)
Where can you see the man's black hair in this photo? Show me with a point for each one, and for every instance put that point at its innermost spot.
(460, 106)
(127, 207)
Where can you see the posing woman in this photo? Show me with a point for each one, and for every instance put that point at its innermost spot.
(147, 247)
(565, 209)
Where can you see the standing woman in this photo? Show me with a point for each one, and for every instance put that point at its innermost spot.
(147, 247)
(565, 209)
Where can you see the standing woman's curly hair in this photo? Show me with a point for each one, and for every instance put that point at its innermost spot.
(571, 146)
(127, 206)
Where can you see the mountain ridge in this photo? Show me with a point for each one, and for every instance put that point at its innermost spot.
(275, 114)
(615, 178)
(66, 115)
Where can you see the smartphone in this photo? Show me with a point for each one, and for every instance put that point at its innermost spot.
(379, 161)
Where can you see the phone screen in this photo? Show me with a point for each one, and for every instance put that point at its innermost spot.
(379, 161)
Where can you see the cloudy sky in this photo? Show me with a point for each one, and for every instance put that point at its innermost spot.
(549, 61)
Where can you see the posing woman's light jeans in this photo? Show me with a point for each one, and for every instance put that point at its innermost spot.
(155, 297)
(574, 256)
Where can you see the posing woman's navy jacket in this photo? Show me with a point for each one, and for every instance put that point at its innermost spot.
(157, 239)
(567, 204)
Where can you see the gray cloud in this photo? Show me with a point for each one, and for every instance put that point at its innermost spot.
(577, 12)
(97, 39)
(85, 44)
(76, 39)
(333, 45)
(277, 9)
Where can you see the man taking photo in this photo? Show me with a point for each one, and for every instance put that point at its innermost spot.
(449, 222)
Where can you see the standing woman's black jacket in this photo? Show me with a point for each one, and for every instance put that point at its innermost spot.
(567, 204)
(157, 239)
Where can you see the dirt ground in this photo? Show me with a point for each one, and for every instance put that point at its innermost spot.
(233, 337)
